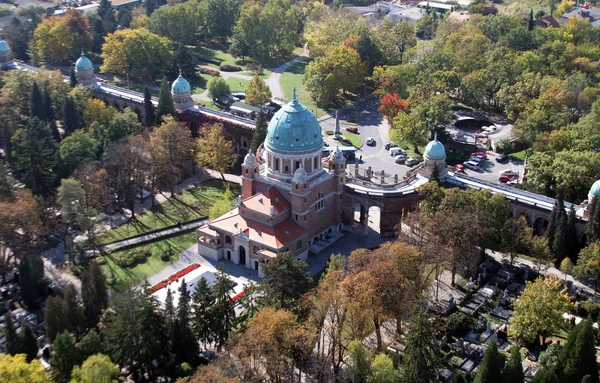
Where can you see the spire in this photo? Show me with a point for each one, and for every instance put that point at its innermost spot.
(82, 53)
(435, 136)
(294, 97)
(180, 72)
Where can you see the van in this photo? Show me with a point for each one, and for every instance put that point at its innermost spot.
(397, 151)
(471, 165)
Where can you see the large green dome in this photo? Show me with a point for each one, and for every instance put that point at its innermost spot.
(294, 128)
(4, 46)
(595, 190)
(83, 63)
(180, 85)
(435, 151)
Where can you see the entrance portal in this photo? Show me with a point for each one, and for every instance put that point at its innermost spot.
(242, 253)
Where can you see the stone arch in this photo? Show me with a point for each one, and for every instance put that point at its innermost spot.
(540, 226)
(374, 218)
(360, 213)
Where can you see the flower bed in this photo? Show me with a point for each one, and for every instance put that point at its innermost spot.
(240, 294)
(173, 278)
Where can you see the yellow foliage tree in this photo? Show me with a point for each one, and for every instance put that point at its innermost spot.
(257, 91)
(214, 150)
(58, 38)
(96, 110)
(15, 369)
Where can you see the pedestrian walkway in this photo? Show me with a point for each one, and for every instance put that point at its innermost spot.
(273, 80)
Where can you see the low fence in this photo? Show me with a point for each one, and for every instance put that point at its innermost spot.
(381, 179)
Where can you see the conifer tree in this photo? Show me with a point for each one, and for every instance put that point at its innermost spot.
(185, 346)
(546, 375)
(558, 211)
(260, 132)
(11, 345)
(421, 355)
(169, 309)
(578, 357)
(148, 109)
(90, 344)
(35, 154)
(490, 370)
(223, 312)
(530, 22)
(54, 317)
(98, 35)
(285, 279)
(572, 242)
(70, 116)
(94, 294)
(592, 228)
(202, 302)
(65, 356)
(73, 78)
(29, 343)
(513, 371)
(36, 104)
(561, 239)
(6, 181)
(31, 278)
(435, 175)
(165, 101)
(107, 15)
(73, 311)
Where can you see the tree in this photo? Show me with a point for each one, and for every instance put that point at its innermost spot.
(218, 18)
(540, 252)
(359, 362)
(203, 301)
(592, 228)
(35, 153)
(214, 150)
(15, 369)
(260, 132)
(31, 279)
(90, 344)
(73, 312)
(71, 198)
(391, 105)
(516, 237)
(65, 356)
(566, 266)
(383, 370)
(165, 101)
(369, 52)
(150, 6)
(223, 312)
(53, 317)
(217, 86)
(409, 128)
(185, 346)
(148, 108)
(530, 24)
(184, 62)
(284, 279)
(561, 243)
(107, 15)
(538, 311)
(77, 149)
(71, 120)
(421, 355)
(257, 91)
(7, 182)
(94, 294)
(95, 110)
(124, 17)
(98, 34)
(588, 264)
(178, 22)
(138, 52)
(11, 344)
(37, 103)
(58, 38)
(578, 358)
(223, 205)
(490, 370)
(341, 70)
(29, 343)
(96, 369)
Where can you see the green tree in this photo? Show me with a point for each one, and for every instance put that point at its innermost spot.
(148, 109)
(222, 206)
(260, 132)
(107, 15)
(490, 370)
(150, 6)
(184, 60)
(50, 117)
(178, 22)
(71, 198)
(203, 301)
(31, 279)
(64, 357)
(169, 310)
(558, 211)
(35, 153)
(165, 101)
(71, 119)
(421, 355)
(73, 312)
(98, 34)
(359, 362)
(77, 149)
(94, 294)
(218, 18)
(36, 104)
(29, 343)
(124, 17)
(54, 317)
(592, 228)
(578, 358)
(223, 312)
(284, 279)
(588, 264)
(513, 372)
(6, 181)
(185, 346)
(369, 52)
(561, 244)
(11, 343)
(90, 344)
(257, 91)
(538, 311)
(96, 369)
(540, 252)
(516, 237)
(383, 370)
(214, 150)
(217, 86)
(15, 369)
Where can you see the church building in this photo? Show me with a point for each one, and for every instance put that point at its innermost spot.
(291, 196)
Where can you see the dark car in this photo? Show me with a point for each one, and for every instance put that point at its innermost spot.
(501, 157)
(390, 145)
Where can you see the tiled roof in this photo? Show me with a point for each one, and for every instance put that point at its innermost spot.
(262, 202)
(208, 231)
(268, 253)
(274, 237)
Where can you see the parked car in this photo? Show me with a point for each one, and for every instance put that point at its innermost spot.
(475, 154)
(459, 168)
(411, 161)
(501, 157)
(400, 159)
(390, 145)
(471, 165)
(371, 141)
(505, 178)
(352, 129)
(397, 151)
(508, 172)
(477, 159)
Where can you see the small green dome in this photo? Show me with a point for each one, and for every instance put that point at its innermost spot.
(180, 85)
(83, 63)
(294, 128)
(435, 151)
(4, 46)
(595, 190)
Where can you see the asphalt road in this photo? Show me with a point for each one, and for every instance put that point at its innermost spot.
(372, 124)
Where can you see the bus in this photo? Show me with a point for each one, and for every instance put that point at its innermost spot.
(349, 152)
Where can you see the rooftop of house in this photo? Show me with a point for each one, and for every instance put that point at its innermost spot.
(263, 201)
(546, 22)
(593, 13)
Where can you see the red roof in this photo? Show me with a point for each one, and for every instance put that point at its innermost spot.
(275, 237)
(262, 202)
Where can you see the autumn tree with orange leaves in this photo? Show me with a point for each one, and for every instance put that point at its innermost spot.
(391, 106)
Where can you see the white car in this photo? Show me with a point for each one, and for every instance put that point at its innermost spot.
(508, 172)
(411, 161)
(370, 141)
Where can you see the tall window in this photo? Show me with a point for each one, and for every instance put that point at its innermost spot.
(298, 245)
(277, 164)
(320, 203)
(316, 162)
(228, 240)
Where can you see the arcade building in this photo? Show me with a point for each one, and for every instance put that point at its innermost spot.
(290, 198)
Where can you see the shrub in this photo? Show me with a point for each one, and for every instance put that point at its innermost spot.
(205, 70)
(589, 308)
(458, 323)
(329, 132)
(230, 68)
(184, 369)
(166, 255)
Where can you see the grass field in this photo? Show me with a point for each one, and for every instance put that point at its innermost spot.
(191, 204)
(518, 156)
(293, 78)
(353, 138)
(215, 55)
(264, 75)
(121, 278)
(234, 84)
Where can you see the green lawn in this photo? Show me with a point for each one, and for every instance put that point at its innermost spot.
(234, 84)
(353, 138)
(120, 278)
(191, 204)
(264, 75)
(518, 156)
(199, 85)
(216, 54)
(293, 78)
